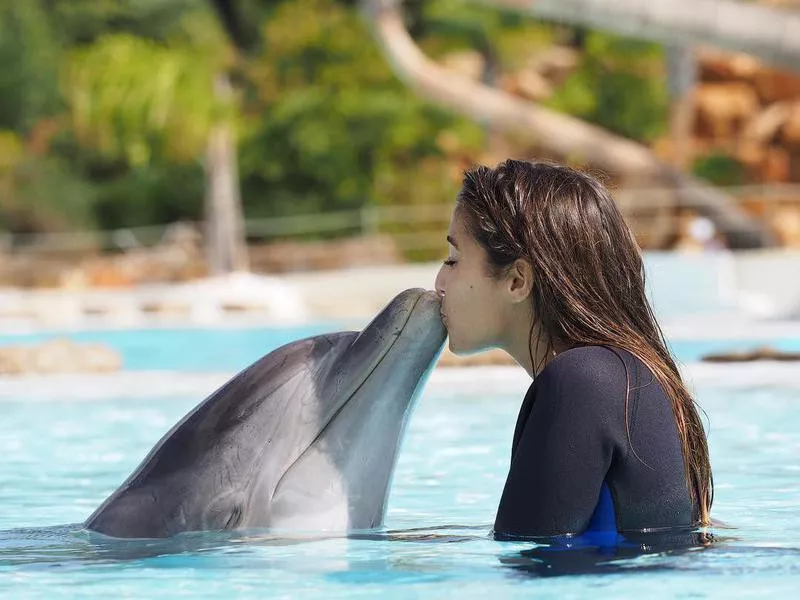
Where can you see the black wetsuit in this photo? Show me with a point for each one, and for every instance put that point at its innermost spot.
(574, 468)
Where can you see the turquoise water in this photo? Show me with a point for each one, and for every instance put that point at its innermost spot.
(197, 350)
(61, 458)
(186, 349)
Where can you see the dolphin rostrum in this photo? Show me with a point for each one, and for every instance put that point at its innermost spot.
(306, 438)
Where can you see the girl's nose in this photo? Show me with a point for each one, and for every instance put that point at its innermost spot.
(439, 283)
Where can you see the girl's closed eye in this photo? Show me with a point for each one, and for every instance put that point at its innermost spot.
(450, 262)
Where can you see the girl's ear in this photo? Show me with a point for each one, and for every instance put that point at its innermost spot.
(520, 280)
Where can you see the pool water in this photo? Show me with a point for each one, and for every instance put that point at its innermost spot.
(62, 454)
(197, 349)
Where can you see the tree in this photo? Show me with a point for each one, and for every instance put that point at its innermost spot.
(771, 34)
(134, 99)
(563, 134)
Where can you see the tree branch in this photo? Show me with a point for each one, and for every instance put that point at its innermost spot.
(771, 34)
(564, 135)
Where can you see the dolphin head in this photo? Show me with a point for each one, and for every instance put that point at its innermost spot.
(306, 438)
(365, 396)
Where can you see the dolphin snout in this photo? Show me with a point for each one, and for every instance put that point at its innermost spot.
(414, 301)
(429, 301)
(425, 318)
(420, 297)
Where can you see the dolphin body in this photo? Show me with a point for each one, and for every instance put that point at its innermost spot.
(306, 438)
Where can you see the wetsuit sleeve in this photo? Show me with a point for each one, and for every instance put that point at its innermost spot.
(563, 452)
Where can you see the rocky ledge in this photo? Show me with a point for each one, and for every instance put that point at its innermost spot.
(764, 353)
(58, 356)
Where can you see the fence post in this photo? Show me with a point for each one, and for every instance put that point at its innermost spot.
(369, 220)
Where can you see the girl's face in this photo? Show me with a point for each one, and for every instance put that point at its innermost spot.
(475, 307)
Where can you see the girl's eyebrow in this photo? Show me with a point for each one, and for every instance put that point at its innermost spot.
(452, 242)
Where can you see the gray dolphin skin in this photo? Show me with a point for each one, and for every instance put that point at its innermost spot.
(306, 438)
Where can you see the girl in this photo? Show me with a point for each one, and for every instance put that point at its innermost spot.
(608, 438)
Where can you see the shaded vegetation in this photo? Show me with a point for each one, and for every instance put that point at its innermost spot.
(105, 106)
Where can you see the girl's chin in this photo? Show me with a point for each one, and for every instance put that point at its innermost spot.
(458, 348)
(453, 346)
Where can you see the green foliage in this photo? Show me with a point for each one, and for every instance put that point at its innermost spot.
(106, 106)
(44, 193)
(130, 97)
(29, 59)
(720, 169)
(331, 135)
(82, 22)
(127, 200)
(509, 38)
(619, 85)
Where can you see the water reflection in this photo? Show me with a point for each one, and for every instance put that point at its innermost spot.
(428, 554)
(72, 545)
(608, 552)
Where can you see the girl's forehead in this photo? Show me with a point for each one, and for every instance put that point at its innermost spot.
(458, 226)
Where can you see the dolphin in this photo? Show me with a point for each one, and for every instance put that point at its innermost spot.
(306, 438)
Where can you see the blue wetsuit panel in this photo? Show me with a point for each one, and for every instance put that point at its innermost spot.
(604, 518)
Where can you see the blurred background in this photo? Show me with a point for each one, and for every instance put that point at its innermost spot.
(297, 161)
(186, 185)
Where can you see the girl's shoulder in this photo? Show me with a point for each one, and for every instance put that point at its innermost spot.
(590, 362)
(589, 382)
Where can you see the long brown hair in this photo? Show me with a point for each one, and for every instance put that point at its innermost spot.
(589, 279)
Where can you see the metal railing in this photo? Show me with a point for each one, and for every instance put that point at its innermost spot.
(411, 226)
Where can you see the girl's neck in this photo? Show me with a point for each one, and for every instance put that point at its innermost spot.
(533, 351)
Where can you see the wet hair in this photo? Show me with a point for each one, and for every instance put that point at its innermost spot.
(588, 279)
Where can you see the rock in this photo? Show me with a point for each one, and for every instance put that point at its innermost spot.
(288, 256)
(794, 166)
(766, 164)
(790, 132)
(763, 353)
(764, 126)
(776, 167)
(107, 275)
(775, 86)
(719, 65)
(59, 355)
(177, 256)
(30, 271)
(786, 225)
(723, 108)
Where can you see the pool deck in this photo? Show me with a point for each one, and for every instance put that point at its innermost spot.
(239, 299)
(351, 296)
